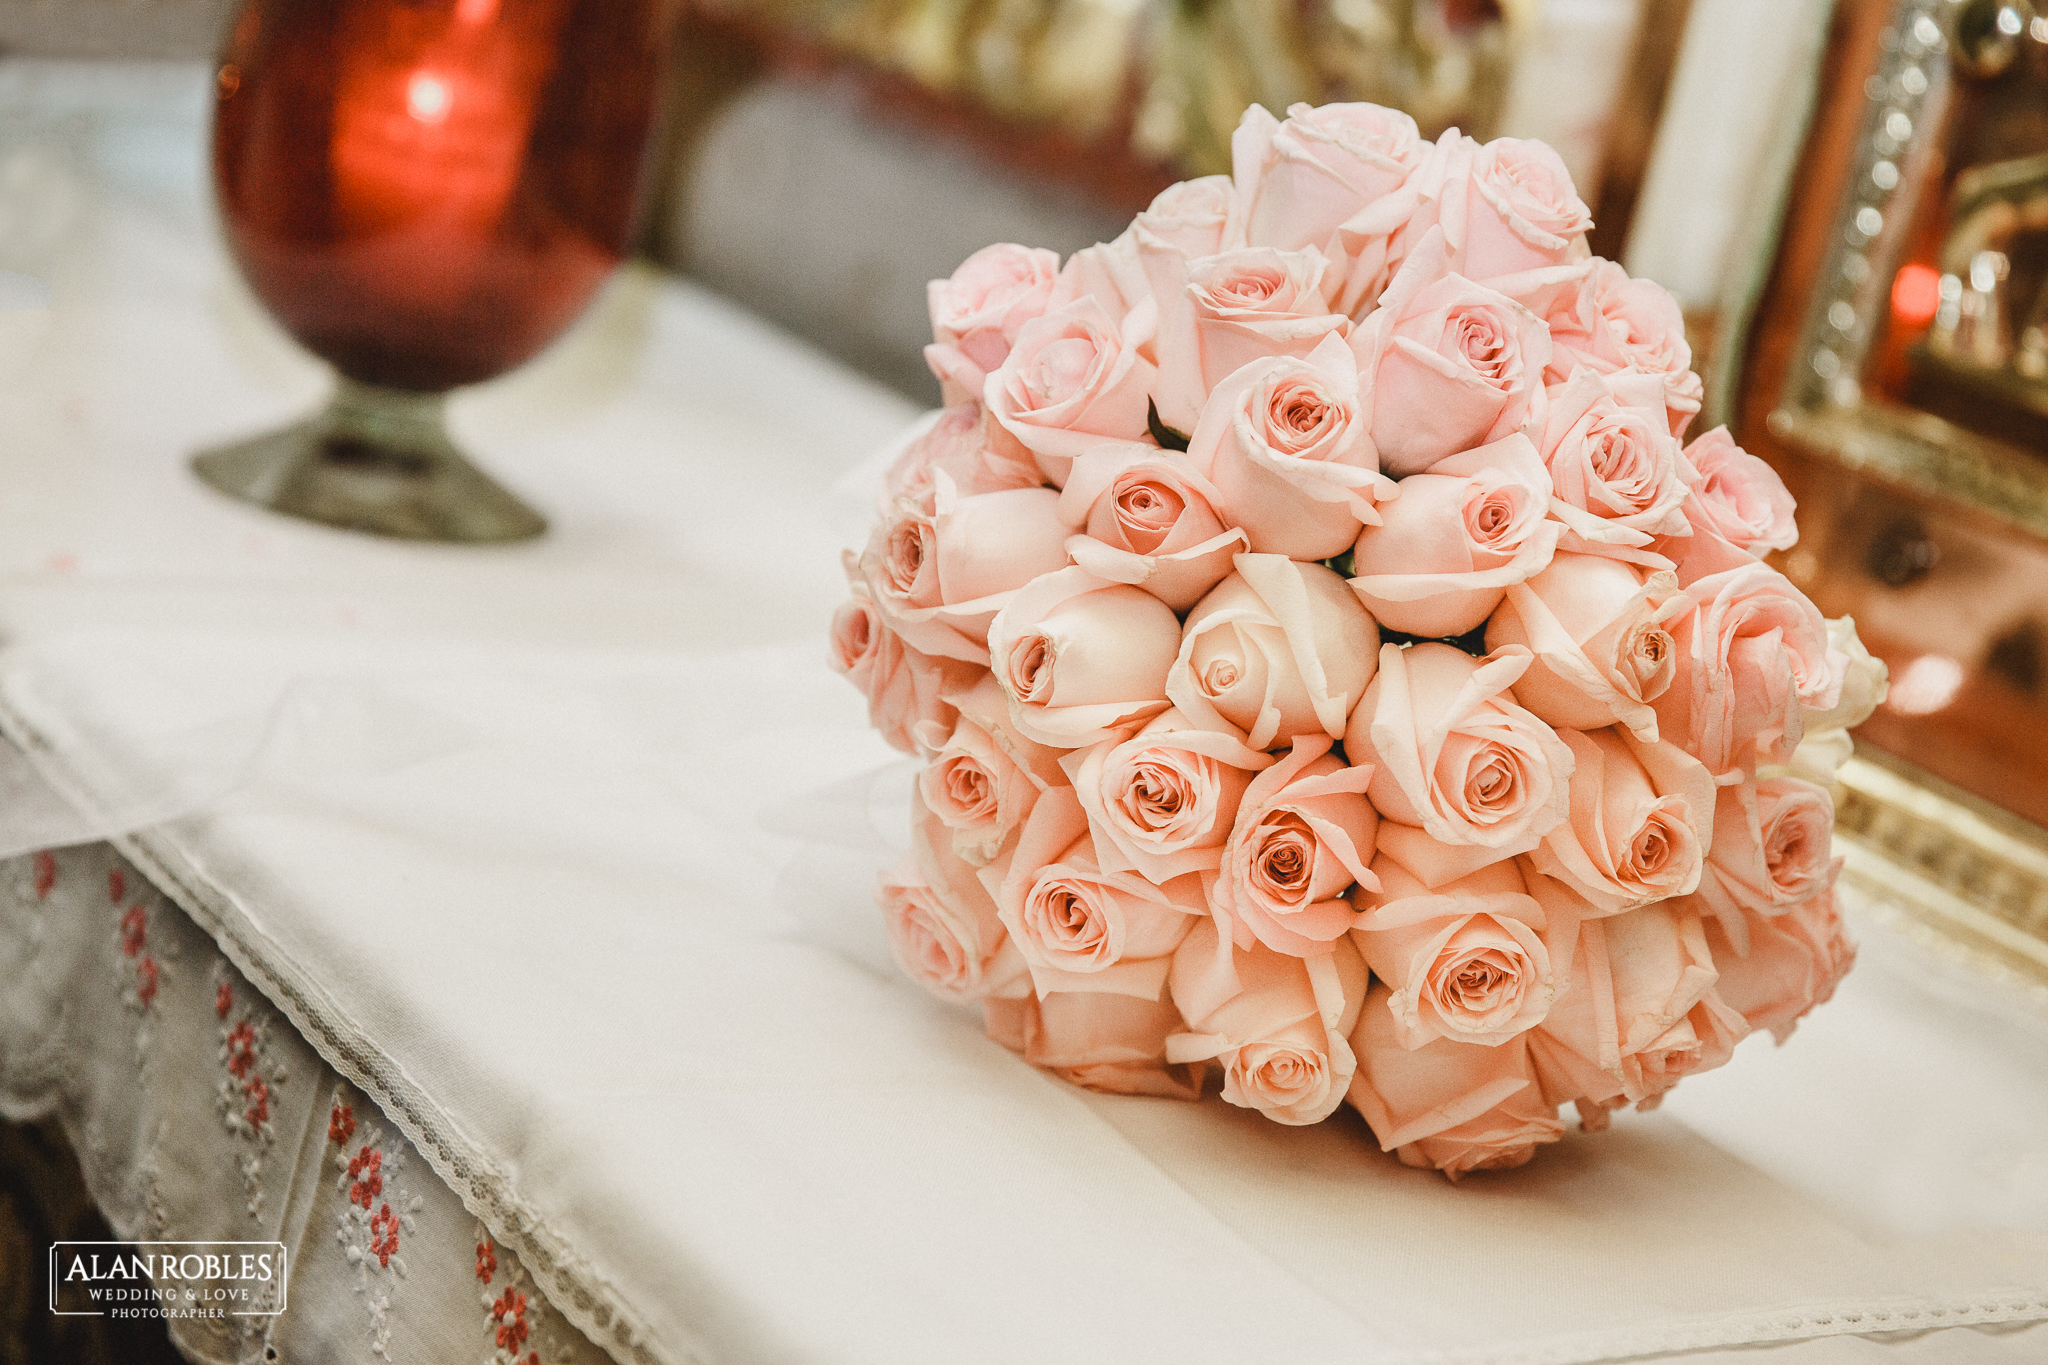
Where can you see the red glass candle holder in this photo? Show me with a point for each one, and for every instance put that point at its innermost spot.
(424, 193)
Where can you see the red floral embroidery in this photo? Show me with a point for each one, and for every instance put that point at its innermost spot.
(341, 1124)
(510, 1315)
(258, 1095)
(241, 1049)
(45, 874)
(145, 980)
(134, 930)
(223, 1000)
(366, 1174)
(486, 1261)
(134, 942)
(117, 885)
(384, 1235)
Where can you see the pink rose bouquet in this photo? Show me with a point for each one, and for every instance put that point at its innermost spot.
(1336, 679)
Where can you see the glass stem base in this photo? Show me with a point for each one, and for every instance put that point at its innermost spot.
(376, 460)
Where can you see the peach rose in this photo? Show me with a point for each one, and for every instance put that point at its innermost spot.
(1455, 759)
(1641, 1013)
(939, 579)
(1297, 181)
(1278, 649)
(1070, 381)
(1753, 655)
(1303, 839)
(1598, 630)
(1282, 1035)
(1610, 323)
(1470, 960)
(942, 923)
(1455, 538)
(1080, 657)
(1238, 307)
(1784, 964)
(906, 690)
(1458, 1107)
(1618, 471)
(1114, 1044)
(1738, 496)
(1079, 927)
(1446, 364)
(1773, 849)
(1148, 519)
(977, 313)
(956, 442)
(1162, 803)
(1642, 816)
(983, 777)
(1286, 446)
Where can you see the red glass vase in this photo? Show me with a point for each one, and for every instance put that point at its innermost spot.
(425, 193)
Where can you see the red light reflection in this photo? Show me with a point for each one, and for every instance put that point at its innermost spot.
(1916, 294)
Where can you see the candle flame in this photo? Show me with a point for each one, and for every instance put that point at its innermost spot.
(476, 11)
(427, 97)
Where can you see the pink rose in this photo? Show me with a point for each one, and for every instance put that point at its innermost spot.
(1611, 323)
(1081, 658)
(1641, 1013)
(1446, 365)
(1189, 216)
(1618, 471)
(939, 579)
(1455, 1106)
(1297, 181)
(1598, 630)
(942, 923)
(906, 690)
(1506, 207)
(1752, 652)
(1281, 1035)
(1455, 538)
(1110, 1043)
(977, 314)
(1150, 520)
(1109, 273)
(955, 442)
(1079, 927)
(1456, 760)
(983, 777)
(1866, 681)
(1773, 849)
(1783, 964)
(1286, 445)
(1471, 960)
(1739, 497)
(1238, 307)
(1642, 815)
(1070, 381)
(1280, 648)
(1303, 839)
(1163, 802)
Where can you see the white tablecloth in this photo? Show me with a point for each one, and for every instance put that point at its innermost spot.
(559, 853)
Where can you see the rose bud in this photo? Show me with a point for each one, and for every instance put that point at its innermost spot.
(1641, 1013)
(1598, 630)
(1282, 1035)
(1642, 815)
(1114, 1044)
(1150, 520)
(984, 777)
(1285, 444)
(1302, 178)
(955, 442)
(943, 925)
(1753, 656)
(1303, 839)
(1784, 965)
(1453, 1106)
(1081, 658)
(1738, 497)
(1619, 475)
(1278, 649)
(1447, 365)
(1610, 323)
(1455, 538)
(1079, 927)
(1454, 757)
(906, 690)
(1163, 802)
(940, 578)
(1239, 307)
(1470, 960)
(1773, 849)
(977, 313)
(1069, 382)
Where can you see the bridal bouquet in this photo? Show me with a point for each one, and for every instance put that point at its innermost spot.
(1331, 668)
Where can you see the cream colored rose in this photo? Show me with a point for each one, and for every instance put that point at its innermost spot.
(1642, 817)
(943, 925)
(1163, 802)
(1148, 518)
(1865, 682)
(1081, 658)
(1282, 1035)
(1278, 649)
(1598, 629)
(1303, 840)
(1114, 1044)
(1071, 380)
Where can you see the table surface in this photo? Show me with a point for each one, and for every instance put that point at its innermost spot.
(562, 852)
